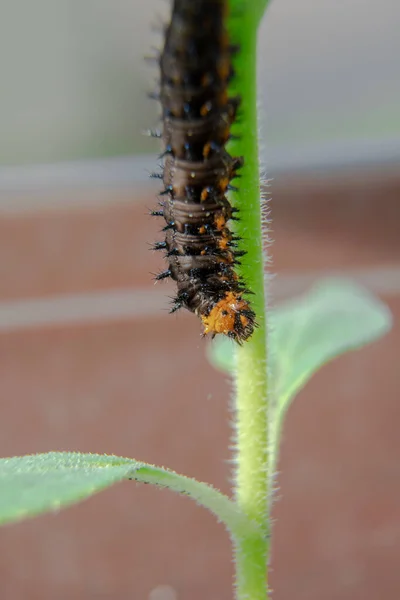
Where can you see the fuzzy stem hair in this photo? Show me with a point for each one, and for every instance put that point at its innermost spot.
(251, 401)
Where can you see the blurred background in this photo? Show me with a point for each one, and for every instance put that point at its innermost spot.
(90, 359)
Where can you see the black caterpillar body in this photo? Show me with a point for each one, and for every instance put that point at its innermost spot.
(197, 114)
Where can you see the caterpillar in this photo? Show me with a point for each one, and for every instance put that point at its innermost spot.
(197, 113)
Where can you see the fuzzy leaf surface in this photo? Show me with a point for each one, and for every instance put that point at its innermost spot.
(334, 317)
(40, 483)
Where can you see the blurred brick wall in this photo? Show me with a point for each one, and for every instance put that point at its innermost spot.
(123, 377)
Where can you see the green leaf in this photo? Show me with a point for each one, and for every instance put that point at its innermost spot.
(30, 485)
(306, 332)
(39, 483)
(335, 316)
(221, 354)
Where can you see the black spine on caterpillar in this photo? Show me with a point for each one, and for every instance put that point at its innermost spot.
(197, 115)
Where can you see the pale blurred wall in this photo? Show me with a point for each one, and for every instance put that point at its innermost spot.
(331, 70)
(73, 79)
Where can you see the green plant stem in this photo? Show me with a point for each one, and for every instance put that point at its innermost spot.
(251, 478)
(237, 523)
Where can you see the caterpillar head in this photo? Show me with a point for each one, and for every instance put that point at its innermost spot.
(231, 316)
